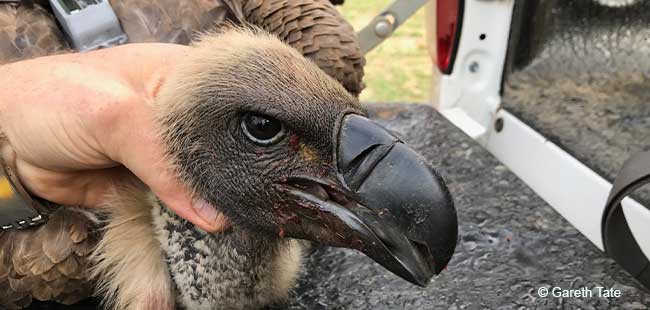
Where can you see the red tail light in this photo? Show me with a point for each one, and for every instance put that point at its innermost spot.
(448, 20)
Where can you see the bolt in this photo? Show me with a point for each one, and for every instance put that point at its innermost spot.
(383, 28)
(473, 67)
(385, 25)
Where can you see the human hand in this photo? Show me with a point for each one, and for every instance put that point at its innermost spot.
(79, 123)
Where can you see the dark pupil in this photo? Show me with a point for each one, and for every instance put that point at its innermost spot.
(261, 127)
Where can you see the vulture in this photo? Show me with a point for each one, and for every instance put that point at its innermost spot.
(262, 122)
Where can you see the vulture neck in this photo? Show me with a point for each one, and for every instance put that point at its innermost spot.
(234, 267)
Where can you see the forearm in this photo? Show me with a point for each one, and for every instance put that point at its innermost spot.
(90, 91)
(128, 69)
(57, 80)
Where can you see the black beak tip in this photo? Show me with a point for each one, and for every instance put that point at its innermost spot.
(422, 284)
(422, 279)
(407, 206)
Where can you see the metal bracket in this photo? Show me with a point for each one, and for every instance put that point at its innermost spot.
(89, 24)
(382, 26)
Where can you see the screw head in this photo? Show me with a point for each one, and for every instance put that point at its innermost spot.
(383, 28)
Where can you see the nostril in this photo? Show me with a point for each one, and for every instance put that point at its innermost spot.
(357, 137)
(361, 166)
(356, 162)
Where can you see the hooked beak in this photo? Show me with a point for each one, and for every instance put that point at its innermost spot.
(388, 203)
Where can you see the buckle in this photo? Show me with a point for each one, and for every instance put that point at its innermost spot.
(88, 24)
(17, 208)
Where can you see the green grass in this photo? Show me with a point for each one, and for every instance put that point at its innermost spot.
(400, 68)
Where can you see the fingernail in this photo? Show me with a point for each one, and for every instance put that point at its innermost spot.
(205, 210)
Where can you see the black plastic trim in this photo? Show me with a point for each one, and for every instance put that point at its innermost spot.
(618, 239)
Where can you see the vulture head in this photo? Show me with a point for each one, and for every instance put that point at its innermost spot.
(284, 151)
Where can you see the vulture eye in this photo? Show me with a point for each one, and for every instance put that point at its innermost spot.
(262, 129)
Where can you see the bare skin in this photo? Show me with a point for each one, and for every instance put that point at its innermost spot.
(79, 123)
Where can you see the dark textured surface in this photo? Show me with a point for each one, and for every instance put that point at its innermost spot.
(581, 76)
(511, 242)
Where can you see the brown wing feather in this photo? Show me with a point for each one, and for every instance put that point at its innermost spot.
(49, 262)
(28, 30)
(171, 21)
(318, 31)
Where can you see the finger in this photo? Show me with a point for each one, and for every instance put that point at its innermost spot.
(87, 188)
